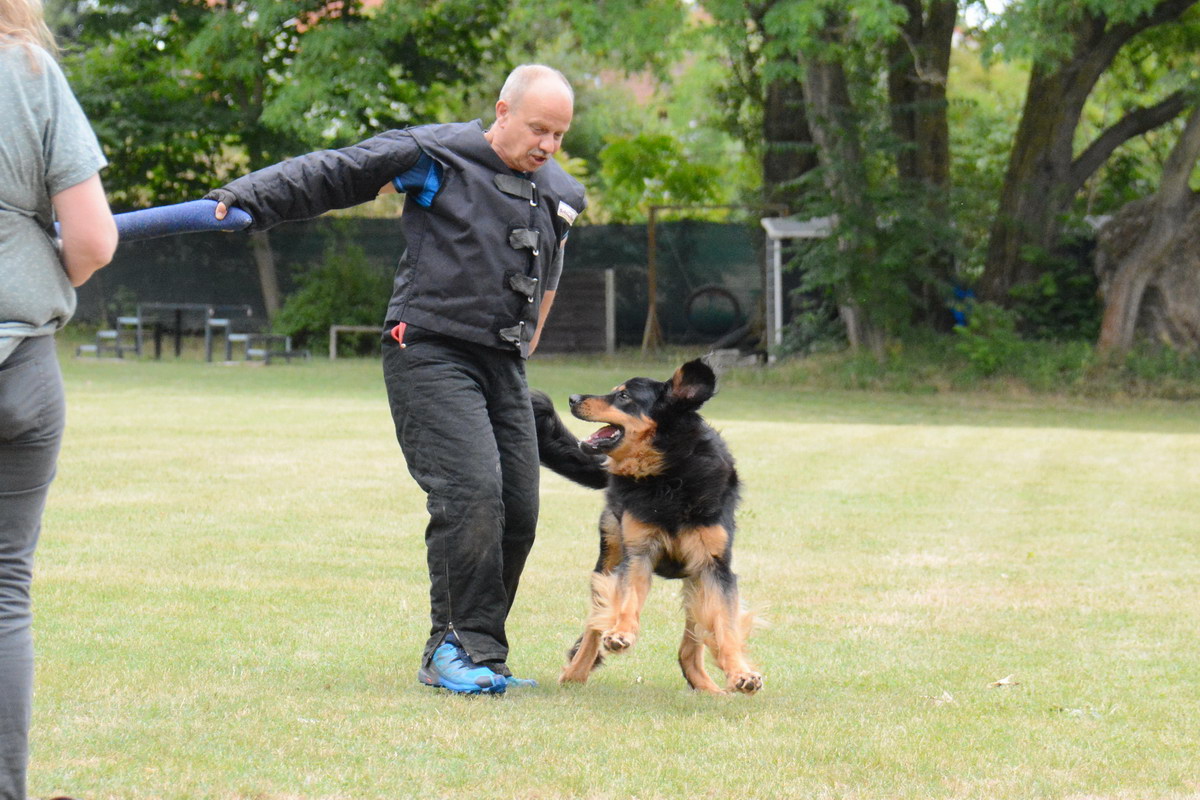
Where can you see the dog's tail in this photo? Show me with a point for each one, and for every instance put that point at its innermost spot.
(559, 450)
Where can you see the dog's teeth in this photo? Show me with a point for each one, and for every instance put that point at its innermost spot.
(607, 432)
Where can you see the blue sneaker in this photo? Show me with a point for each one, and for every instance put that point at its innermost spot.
(453, 669)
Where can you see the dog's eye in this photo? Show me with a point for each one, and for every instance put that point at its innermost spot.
(622, 395)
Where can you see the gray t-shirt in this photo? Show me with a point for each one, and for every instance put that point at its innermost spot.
(46, 146)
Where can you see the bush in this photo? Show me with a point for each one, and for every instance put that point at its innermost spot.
(815, 328)
(344, 288)
(1063, 303)
(989, 340)
(941, 363)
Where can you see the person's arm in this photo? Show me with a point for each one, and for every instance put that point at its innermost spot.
(548, 296)
(89, 235)
(307, 186)
(388, 188)
(543, 313)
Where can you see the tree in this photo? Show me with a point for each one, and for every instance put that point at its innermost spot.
(246, 83)
(1148, 258)
(918, 75)
(653, 169)
(152, 111)
(764, 96)
(884, 156)
(1071, 44)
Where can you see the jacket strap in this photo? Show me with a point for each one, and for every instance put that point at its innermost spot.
(517, 187)
(526, 238)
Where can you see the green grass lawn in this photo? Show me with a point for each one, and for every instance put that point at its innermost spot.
(231, 602)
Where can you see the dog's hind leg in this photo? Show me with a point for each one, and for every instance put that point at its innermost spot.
(691, 650)
(714, 605)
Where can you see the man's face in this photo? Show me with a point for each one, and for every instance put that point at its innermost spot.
(528, 135)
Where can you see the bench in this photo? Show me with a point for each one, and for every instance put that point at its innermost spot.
(115, 339)
(255, 346)
(266, 346)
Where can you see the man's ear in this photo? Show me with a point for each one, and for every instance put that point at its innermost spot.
(502, 110)
(693, 384)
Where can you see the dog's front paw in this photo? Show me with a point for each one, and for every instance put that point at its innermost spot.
(572, 674)
(745, 682)
(617, 641)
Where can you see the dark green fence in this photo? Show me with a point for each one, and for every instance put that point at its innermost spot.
(709, 273)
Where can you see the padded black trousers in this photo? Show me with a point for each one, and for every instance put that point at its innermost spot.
(465, 425)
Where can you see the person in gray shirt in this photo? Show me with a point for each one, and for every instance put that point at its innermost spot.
(49, 167)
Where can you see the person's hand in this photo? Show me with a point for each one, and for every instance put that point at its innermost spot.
(225, 200)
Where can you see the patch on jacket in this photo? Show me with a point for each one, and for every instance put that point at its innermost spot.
(567, 213)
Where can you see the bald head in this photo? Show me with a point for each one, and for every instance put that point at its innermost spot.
(532, 115)
(523, 77)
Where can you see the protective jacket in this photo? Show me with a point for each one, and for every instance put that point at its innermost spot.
(484, 241)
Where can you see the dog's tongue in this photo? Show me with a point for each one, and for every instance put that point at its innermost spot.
(607, 432)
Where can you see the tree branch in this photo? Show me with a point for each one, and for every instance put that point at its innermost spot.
(1165, 11)
(1098, 43)
(1174, 192)
(1135, 123)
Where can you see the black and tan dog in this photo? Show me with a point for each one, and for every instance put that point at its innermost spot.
(671, 494)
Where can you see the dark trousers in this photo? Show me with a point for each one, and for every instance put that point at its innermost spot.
(465, 425)
(32, 414)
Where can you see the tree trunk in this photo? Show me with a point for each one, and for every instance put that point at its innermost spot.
(919, 63)
(268, 276)
(1153, 299)
(827, 98)
(1034, 195)
(788, 143)
(860, 333)
(1149, 252)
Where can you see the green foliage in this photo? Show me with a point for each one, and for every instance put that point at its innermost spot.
(638, 69)
(883, 263)
(984, 108)
(803, 27)
(926, 363)
(1155, 63)
(343, 288)
(149, 106)
(1064, 301)
(400, 65)
(183, 92)
(1155, 370)
(123, 302)
(653, 169)
(814, 328)
(630, 34)
(186, 93)
(989, 340)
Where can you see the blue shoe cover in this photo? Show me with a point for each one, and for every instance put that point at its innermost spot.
(453, 669)
(521, 683)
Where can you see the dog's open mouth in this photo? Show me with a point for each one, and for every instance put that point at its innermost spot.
(603, 440)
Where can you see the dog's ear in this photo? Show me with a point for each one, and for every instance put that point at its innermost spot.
(693, 384)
